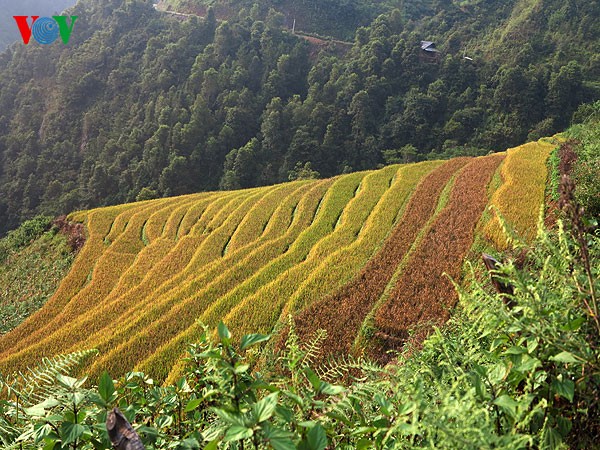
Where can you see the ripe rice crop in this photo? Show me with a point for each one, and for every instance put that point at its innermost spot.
(337, 269)
(342, 313)
(340, 253)
(162, 304)
(162, 219)
(254, 223)
(289, 253)
(252, 312)
(159, 324)
(99, 224)
(109, 268)
(424, 293)
(524, 173)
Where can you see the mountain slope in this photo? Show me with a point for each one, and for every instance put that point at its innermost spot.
(142, 104)
(333, 252)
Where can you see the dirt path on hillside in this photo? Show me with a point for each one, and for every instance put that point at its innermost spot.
(311, 38)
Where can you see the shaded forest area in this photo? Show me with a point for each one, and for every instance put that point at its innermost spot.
(142, 104)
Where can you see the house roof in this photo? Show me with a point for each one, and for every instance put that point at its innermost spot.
(429, 46)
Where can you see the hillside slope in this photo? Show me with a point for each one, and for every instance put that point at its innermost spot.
(341, 253)
(142, 104)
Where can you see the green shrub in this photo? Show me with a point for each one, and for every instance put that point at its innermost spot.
(27, 232)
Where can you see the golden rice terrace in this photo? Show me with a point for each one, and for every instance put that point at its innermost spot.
(363, 256)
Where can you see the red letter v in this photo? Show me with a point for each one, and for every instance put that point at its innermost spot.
(24, 27)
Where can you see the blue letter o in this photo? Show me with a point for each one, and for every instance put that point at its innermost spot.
(45, 30)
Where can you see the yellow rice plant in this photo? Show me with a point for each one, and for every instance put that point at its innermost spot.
(104, 273)
(44, 340)
(196, 211)
(277, 293)
(161, 272)
(328, 213)
(143, 264)
(161, 304)
(78, 216)
(340, 266)
(255, 222)
(171, 226)
(186, 310)
(117, 309)
(157, 222)
(521, 196)
(99, 223)
(99, 316)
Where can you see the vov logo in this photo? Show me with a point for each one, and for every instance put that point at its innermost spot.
(45, 30)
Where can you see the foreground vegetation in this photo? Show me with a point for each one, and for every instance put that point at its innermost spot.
(33, 261)
(520, 376)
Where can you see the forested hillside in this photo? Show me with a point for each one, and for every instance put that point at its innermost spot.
(9, 31)
(145, 104)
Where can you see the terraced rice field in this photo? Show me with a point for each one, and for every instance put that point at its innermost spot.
(364, 254)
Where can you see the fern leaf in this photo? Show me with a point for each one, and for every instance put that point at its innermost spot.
(38, 384)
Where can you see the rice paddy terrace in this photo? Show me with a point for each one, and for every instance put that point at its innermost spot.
(361, 255)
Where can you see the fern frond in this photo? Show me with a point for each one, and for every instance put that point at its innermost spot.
(39, 383)
(8, 434)
(336, 368)
(312, 348)
(358, 399)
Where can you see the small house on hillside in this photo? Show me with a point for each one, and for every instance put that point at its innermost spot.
(428, 51)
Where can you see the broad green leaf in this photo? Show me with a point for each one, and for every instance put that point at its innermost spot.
(71, 432)
(295, 398)
(552, 439)
(508, 405)
(263, 410)
(36, 410)
(189, 444)
(407, 408)
(242, 368)
(364, 444)
(229, 418)
(312, 378)
(317, 438)
(237, 433)
(65, 381)
(564, 388)
(532, 344)
(193, 404)
(253, 339)
(331, 389)
(279, 439)
(564, 357)
(224, 333)
(106, 387)
(515, 350)
(574, 325)
(363, 430)
(164, 421)
(212, 445)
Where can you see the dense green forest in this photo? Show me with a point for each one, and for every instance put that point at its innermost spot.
(143, 103)
(9, 32)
